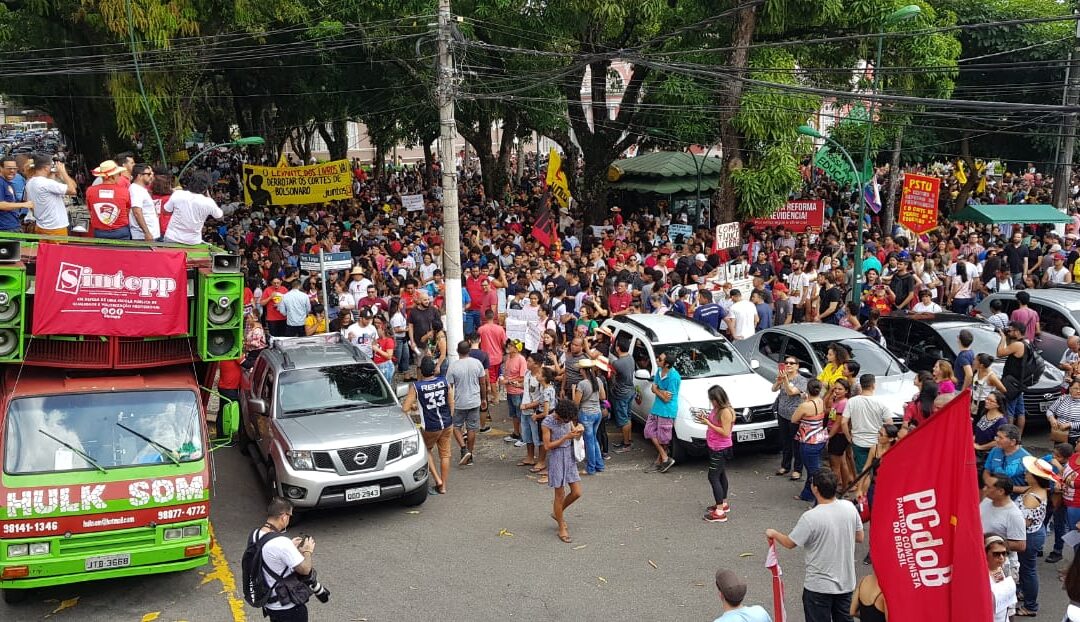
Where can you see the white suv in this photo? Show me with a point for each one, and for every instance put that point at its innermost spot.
(703, 357)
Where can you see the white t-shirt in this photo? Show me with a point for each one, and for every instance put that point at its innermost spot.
(281, 556)
(930, 307)
(190, 212)
(140, 198)
(399, 325)
(1057, 277)
(50, 211)
(363, 337)
(866, 415)
(359, 288)
(745, 314)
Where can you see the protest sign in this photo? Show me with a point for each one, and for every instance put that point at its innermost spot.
(524, 325)
(675, 230)
(919, 203)
(727, 235)
(798, 216)
(297, 185)
(413, 202)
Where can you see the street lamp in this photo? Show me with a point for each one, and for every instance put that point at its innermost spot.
(699, 165)
(856, 267)
(246, 141)
(904, 13)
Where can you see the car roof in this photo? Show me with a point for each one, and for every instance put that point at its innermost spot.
(316, 351)
(1067, 296)
(819, 332)
(940, 320)
(665, 328)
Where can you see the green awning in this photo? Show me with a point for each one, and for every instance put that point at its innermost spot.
(666, 172)
(1023, 214)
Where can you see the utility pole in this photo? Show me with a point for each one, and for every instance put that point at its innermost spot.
(445, 96)
(1063, 177)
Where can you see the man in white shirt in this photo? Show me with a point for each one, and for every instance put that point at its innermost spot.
(284, 556)
(864, 415)
(743, 317)
(190, 209)
(363, 334)
(295, 306)
(47, 195)
(142, 175)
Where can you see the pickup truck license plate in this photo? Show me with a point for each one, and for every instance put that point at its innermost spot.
(106, 562)
(364, 492)
(743, 436)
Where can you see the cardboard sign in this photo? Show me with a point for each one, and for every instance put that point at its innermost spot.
(919, 203)
(297, 185)
(797, 216)
(413, 202)
(118, 293)
(728, 235)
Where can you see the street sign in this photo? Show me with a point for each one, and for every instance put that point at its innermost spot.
(331, 261)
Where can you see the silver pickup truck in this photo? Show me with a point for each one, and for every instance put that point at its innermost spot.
(324, 428)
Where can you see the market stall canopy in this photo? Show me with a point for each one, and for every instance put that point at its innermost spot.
(665, 172)
(1006, 214)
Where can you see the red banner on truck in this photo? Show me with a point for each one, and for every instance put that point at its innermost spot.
(119, 293)
(797, 216)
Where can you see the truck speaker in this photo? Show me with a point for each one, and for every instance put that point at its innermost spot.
(12, 307)
(10, 251)
(219, 315)
(225, 263)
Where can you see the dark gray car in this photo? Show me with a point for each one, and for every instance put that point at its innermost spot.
(1059, 316)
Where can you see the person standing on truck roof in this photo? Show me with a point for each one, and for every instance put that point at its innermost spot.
(47, 195)
(190, 208)
(12, 207)
(145, 224)
(109, 204)
(295, 306)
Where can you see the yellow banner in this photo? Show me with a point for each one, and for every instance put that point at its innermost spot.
(297, 185)
(556, 180)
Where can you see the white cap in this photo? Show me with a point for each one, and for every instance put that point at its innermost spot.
(700, 257)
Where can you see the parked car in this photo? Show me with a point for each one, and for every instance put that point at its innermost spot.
(923, 339)
(324, 428)
(809, 343)
(703, 358)
(1059, 316)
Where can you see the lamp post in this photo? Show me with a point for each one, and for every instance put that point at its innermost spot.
(246, 141)
(904, 13)
(806, 130)
(700, 166)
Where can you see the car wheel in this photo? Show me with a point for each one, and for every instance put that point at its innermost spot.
(679, 450)
(416, 497)
(14, 597)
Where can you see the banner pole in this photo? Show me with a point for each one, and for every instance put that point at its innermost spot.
(326, 299)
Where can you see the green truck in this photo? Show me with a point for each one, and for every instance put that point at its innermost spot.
(106, 350)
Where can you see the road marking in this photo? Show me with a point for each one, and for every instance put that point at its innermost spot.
(222, 573)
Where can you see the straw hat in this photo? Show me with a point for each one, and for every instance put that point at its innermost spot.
(108, 168)
(1040, 468)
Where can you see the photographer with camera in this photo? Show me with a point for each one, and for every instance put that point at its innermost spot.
(277, 572)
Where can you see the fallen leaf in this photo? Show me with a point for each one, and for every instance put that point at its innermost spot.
(746, 554)
(413, 512)
(67, 603)
(699, 584)
(149, 617)
(602, 579)
(580, 546)
(653, 564)
(504, 532)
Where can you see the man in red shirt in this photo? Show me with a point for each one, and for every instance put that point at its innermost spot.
(109, 204)
(492, 341)
(619, 301)
(271, 296)
(229, 376)
(474, 285)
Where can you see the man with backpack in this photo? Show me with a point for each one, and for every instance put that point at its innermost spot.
(276, 568)
(1021, 369)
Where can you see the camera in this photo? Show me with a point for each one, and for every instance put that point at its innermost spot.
(318, 590)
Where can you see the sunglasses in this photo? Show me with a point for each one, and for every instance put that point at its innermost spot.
(998, 553)
(791, 362)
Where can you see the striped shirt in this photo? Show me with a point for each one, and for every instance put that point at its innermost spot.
(1066, 409)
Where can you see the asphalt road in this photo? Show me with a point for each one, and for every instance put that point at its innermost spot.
(488, 550)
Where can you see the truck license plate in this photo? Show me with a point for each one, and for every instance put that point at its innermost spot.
(364, 492)
(105, 562)
(743, 436)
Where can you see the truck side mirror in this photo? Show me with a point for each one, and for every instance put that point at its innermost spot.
(402, 391)
(230, 418)
(257, 406)
(642, 374)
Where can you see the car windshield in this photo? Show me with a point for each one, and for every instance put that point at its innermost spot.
(872, 358)
(985, 337)
(704, 359)
(305, 391)
(80, 431)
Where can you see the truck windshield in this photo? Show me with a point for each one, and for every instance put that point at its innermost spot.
(307, 391)
(101, 431)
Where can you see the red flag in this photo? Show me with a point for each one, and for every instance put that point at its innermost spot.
(544, 226)
(772, 562)
(925, 529)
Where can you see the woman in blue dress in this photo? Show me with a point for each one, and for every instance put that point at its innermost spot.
(558, 430)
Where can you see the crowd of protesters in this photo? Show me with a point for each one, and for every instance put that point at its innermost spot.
(562, 389)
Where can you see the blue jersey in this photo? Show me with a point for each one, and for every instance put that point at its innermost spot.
(710, 314)
(434, 398)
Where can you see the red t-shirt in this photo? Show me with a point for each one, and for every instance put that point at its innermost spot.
(109, 206)
(475, 287)
(384, 343)
(231, 372)
(272, 313)
(617, 303)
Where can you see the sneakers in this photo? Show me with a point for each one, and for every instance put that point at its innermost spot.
(725, 508)
(466, 458)
(622, 449)
(519, 443)
(716, 516)
(485, 429)
(1054, 557)
(510, 438)
(667, 464)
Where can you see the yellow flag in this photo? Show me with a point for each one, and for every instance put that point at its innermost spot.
(556, 180)
(961, 174)
(282, 161)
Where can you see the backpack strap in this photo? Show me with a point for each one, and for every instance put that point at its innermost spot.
(260, 542)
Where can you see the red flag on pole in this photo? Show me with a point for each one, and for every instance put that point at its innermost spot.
(925, 529)
(544, 225)
(772, 562)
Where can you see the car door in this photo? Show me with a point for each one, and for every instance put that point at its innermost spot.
(925, 347)
(768, 353)
(248, 382)
(644, 359)
(1051, 341)
(265, 391)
